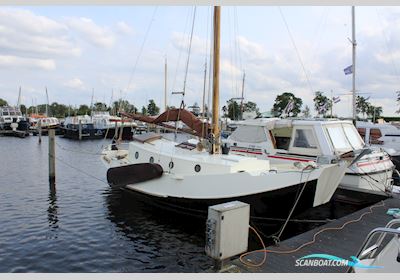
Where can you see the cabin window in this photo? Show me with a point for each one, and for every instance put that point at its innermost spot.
(282, 142)
(374, 135)
(197, 168)
(361, 131)
(353, 137)
(304, 138)
(151, 160)
(338, 138)
(136, 155)
(249, 134)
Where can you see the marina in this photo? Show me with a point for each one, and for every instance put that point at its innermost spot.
(343, 237)
(211, 188)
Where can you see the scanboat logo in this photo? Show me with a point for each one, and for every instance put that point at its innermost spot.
(330, 260)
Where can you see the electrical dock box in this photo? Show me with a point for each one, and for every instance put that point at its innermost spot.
(227, 230)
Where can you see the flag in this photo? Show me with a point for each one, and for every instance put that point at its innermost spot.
(336, 99)
(323, 108)
(289, 107)
(348, 70)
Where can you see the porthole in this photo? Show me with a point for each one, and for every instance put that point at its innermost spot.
(136, 155)
(197, 168)
(151, 160)
(171, 164)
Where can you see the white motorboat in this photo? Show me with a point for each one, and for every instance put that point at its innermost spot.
(11, 118)
(81, 127)
(190, 176)
(102, 120)
(285, 140)
(382, 135)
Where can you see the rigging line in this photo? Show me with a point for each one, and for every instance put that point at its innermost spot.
(210, 65)
(295, 47)
(189, 50)
(319, 33)
(141, 50)
(235, 41)
(230, 55)
(180, 52)
(395, 68)
(205, 70)
(79, 170)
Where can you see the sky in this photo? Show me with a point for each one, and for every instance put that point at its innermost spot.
(120, 51)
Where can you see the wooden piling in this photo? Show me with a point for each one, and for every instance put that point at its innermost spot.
(116, 131)
(121, 129)
(52, 157)
(80, 129)
(40, 131)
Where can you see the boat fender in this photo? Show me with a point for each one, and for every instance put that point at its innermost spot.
(134, 173)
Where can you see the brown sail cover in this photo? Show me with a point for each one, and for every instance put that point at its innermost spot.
(196, 126)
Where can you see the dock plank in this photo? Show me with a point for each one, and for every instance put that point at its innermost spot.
(342, 243)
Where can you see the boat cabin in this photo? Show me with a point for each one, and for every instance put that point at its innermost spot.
(378, 134)
(306, 139)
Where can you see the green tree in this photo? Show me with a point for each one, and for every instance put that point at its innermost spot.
(322, 104)
(374, 112)
(84, 110)
(306, 112)
(152, 108)
(144, 111)
(251, 107)
(58, 110)
(282, 100)
(100, 106)
(22, 107)
(3, 102)
(362, 105)
(122, 106)
(233, 110)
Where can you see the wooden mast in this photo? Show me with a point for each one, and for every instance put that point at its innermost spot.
(215, 109)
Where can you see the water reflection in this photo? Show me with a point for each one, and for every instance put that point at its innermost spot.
(52, 216)
(162, 241)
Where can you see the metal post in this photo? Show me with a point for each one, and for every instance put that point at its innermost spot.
(52, 159)
(354, 43)
(80, 129)
(40, 131)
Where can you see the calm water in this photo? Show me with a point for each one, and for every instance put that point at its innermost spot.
(84, 226)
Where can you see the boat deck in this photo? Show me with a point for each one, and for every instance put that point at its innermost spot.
(342, 243)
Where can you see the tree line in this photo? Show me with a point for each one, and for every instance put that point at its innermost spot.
(285, 104)
(61, 111)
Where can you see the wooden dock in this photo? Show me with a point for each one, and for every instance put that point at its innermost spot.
(343, 243)
(15, 133)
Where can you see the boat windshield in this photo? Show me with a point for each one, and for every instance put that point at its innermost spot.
(344, 137)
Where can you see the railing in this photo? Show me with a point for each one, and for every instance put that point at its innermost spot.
(370, 251)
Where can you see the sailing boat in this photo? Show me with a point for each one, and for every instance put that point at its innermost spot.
(188, 177)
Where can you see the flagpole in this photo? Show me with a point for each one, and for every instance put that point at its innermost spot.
(354, 43)
(331, 104)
